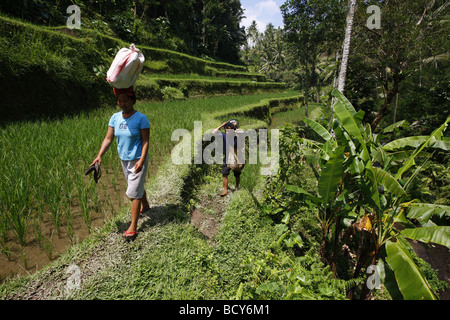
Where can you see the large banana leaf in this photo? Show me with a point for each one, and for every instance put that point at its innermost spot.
(436, 234)
(317, 127)
(410, 279)
(296, 189)
(416, 141)
(346, 116)
(436, 135)
(389, 182)
(344, 100)
(331, 175)
(424, 211)
(392, 127)
(345, 112)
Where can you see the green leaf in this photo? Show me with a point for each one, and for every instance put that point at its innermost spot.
(443, 144)
(336, 93)
(345, 112)
(392, 127)
(374, 194)
(316, 145)
(416, 141)
(286, 218)
(387, 180)
(357, 166)
(348, 121)
(318, 128)
(424, 211)
(331, 175)
(299, 190)
(410, 279)
(436, 135)
(267, 287)
(436, 234)
(359, 116)
(326, 290)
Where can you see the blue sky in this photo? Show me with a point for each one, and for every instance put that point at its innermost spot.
(263, 12)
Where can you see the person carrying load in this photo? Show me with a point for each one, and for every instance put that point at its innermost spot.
(230, 153)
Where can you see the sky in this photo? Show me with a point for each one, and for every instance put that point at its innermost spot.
(263, 12)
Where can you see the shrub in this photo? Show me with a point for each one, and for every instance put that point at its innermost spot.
(170, 93)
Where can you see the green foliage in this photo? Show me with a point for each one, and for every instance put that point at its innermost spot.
(75, 64)
(204, 87)
(432, 184)
(427, 91)
(211, 29)
(282, 277)
(309, 26)
(360, 187)
(391, 60)
(410, 279)
(30, 54)
(170, 93)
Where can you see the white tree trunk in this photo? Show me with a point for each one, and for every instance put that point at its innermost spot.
(346, 47)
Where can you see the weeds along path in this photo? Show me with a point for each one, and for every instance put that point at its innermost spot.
(105, 255)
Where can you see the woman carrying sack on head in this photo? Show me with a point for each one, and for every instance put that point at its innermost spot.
(132, 130)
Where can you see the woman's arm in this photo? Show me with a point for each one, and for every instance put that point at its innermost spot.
(145, 136)
(216, 130)
(105, 145)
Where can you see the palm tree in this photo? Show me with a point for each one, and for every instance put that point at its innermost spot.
(279, 49)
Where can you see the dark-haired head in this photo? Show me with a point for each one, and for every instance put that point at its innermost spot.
(128, 91)
(131, 95)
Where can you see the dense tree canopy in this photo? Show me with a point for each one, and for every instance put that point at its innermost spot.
(205, 28)
(309, 26)
(393, 71)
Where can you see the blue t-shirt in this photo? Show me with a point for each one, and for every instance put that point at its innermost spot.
(128, 134)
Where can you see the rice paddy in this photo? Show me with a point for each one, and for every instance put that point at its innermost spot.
(44, 193)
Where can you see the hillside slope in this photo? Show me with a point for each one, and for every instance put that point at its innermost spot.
(54, 71)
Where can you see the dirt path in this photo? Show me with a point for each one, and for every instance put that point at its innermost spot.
(209, 209)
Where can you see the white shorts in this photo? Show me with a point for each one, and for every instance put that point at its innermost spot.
(135, 181)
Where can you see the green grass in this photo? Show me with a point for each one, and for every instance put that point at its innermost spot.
(193, 76)
(295, 116)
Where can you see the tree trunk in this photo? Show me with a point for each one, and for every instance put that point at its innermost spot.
(335, 253)
(395, 109)
(384, 110)
(307, 86)
(323, 247)
(346, 46)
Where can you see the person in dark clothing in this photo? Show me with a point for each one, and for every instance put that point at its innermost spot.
(230, 125)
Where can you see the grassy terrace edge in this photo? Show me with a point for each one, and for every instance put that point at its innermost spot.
(104, 43)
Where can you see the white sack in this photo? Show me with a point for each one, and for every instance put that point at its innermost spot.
(125, 68)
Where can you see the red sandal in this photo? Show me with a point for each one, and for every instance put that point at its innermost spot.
(129, 235)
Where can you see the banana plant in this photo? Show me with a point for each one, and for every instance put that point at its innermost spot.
(362, 181)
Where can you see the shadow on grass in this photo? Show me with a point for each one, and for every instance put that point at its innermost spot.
(156, 215)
